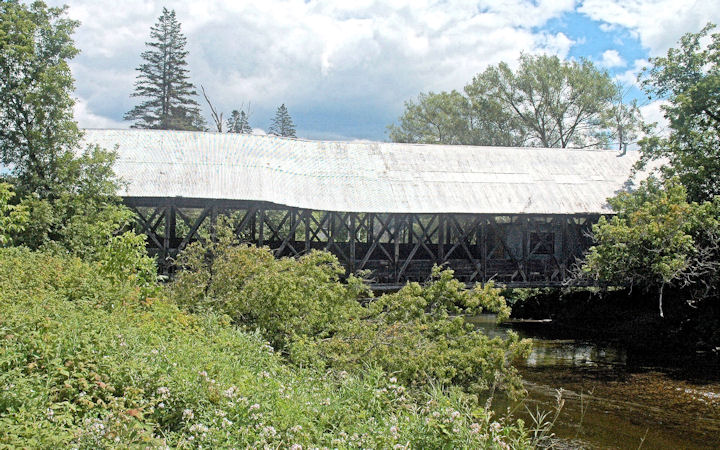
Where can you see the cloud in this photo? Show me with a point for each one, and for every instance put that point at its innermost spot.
(88, 119)
(657, 23)
(343, 67)
(611, 58)
(630, 76)
(653, 113)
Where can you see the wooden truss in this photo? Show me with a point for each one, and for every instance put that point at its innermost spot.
(516, 250)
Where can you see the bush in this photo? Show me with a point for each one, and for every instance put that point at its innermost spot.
(658, 239)
(81, 366)
(417, 335)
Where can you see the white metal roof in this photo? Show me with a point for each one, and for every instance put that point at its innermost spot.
(365, 176)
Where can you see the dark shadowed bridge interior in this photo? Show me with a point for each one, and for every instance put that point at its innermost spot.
(516, 250)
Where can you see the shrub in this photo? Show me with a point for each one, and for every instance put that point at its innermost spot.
(417, 335)
(658, 239)
(74, 373)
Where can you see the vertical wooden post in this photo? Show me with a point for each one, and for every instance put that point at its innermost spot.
(306, 218)
(484, 248)
(352, 239)
(370, 228)
(213, 223)
(166, 242)
(261, 235)
(397, 221)
(441, 238)
(253, 224)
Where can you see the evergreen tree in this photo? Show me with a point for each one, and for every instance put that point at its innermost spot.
(238, 123)
(163, 82)
(282, 124)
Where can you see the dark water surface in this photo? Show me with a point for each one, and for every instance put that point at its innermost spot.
(611, 402)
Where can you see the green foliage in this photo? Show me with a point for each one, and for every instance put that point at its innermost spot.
(545, 102)
(418, 334)
(443, 118)
(70, 198)
(238, 123)
(282, 124)
(163, 81)
(657, 238)
(688, 79)
(81, 212)
(37, 131)
(13, 218)
(83, 366)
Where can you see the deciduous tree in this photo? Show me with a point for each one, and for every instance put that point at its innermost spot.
(546, 102)
(37, 130)
(688, 79)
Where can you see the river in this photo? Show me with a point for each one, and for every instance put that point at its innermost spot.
(611, 402)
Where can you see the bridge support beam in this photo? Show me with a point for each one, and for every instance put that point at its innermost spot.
(516, 250)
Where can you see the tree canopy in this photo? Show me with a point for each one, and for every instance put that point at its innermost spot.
(238, 123)
(546, 102)
(282, 124)
(66, 197)
(163, 81)
(688, 79)
(37, 130)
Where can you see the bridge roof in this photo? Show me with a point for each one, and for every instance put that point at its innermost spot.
(362, 176)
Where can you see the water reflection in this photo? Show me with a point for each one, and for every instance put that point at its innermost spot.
(629, 406)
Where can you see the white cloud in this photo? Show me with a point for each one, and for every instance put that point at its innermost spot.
(630, 76)
(611, 58)
(88, 119)
(653, 113)
(352, 59)
(657, 23)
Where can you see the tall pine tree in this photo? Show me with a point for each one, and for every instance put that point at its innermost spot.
(282, 124)
(238, 123)
(163, 81)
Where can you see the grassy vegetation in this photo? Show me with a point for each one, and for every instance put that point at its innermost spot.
(88, 360)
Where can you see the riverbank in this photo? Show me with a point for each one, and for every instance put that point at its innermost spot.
(609, 401)
(631, 320)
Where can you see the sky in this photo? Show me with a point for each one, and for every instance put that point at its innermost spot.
(345, 68)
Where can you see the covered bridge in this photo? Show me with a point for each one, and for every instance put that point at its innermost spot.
(515, 215)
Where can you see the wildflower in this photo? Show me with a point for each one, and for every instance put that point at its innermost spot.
(495, 426)
(393, 380)
(296, 429)
(198, 428)
(454, 415)
(161, 405)
(394, 429)
(154, 351)
(254, 406)
(474, 428)
(269, 430)
(203, 374)
(230, 392)
(296, 447)
(162, 390)
(188, 414)
(226, 423)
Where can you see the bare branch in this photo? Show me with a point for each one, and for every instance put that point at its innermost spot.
(216, 118)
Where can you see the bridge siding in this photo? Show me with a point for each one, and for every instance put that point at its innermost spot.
(514, 249)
